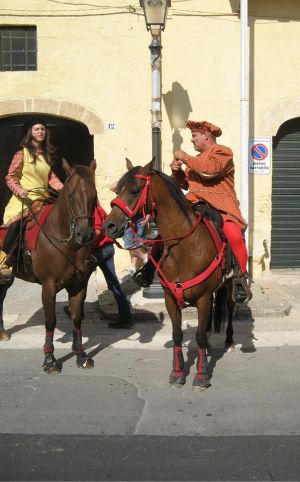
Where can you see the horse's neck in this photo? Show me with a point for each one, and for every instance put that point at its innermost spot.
(60, 215)
(172, 222)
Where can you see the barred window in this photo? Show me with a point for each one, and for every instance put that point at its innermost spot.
(18, 48)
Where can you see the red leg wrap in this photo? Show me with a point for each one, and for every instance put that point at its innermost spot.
(178, 362)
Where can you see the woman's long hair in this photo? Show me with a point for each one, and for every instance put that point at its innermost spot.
(48, 149)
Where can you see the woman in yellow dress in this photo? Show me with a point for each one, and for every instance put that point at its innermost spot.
(29, 176)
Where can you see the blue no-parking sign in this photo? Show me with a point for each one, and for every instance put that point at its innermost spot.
(259, 155)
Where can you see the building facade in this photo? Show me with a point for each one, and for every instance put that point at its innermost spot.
(86, 67)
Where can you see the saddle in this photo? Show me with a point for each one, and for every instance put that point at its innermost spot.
(214, 216)
(20, 237)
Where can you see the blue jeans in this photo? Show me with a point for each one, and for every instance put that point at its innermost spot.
(107, 267)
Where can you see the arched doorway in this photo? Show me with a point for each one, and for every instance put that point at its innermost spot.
(71, 138)
(285, 235)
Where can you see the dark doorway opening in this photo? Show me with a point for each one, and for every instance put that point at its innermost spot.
(285, 236)
(72, 140)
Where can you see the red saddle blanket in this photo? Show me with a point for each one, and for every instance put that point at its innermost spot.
(32, 227)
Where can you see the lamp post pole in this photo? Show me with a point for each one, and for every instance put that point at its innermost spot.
(155, 49)
(155, 12)
(155, 290)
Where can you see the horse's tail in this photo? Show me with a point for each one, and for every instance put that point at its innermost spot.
(220, 308)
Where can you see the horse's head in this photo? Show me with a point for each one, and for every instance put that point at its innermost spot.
(131, 191)
(80, 197)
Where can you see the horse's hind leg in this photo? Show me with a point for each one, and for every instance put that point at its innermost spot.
(50, 365)
(201, 380)
(4, 336)
(76, 303)
(177, 376)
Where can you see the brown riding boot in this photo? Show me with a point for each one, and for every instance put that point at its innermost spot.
(5, 271)
(5, 274)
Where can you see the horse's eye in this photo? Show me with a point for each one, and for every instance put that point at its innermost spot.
(134, 192)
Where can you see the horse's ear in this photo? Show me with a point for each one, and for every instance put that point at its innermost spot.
(93, 165)
(129, 164)
(149, 167)
(67, 168)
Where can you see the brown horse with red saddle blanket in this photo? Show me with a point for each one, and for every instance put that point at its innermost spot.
(191, 268)
(60, 257)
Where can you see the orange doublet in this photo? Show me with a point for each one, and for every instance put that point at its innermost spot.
(209, 177)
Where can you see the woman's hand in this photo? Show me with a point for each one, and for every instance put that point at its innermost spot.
(23, 193)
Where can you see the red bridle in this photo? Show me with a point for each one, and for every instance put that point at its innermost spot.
(141, 202)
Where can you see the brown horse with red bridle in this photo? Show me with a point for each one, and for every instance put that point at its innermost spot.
(191, 268)
(62, 258)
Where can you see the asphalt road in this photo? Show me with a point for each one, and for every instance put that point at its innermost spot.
(122, 421)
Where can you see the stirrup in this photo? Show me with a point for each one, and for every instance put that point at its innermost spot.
(241, 291)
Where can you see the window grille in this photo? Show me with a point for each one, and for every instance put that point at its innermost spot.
(18, 48)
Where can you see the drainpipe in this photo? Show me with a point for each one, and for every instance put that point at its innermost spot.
(244, 128)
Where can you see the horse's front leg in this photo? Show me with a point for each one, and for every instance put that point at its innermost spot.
(4, 336)
(201, 380)
(177, 376)
(50, 365)
(76, 303)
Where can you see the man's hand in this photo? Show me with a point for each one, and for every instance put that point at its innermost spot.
(180, 156)
(179, 159)
(176, 165)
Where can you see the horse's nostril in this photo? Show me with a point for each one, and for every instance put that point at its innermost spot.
(110, 227)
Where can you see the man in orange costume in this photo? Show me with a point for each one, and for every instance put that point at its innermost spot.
(209, 176)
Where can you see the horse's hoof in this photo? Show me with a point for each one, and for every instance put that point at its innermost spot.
(200, 388)
(177, 382)
(4, 336)
(51, 365)
(54, 370)
(83, 361)
(200, 385)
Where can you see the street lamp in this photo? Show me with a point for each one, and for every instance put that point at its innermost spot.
(155, 12)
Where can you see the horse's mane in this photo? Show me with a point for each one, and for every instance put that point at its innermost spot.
(83, 171)
(175, 192)
(127, 178)
(172, 186)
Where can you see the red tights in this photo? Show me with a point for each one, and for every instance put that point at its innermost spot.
(234, 236)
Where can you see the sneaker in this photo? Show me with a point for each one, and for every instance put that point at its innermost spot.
(121, 324)
(241, 289)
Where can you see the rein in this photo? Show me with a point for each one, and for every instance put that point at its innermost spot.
(72, 224)
(141, 204)
(176, 288)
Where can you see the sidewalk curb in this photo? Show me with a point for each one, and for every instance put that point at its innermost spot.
(268, 301)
